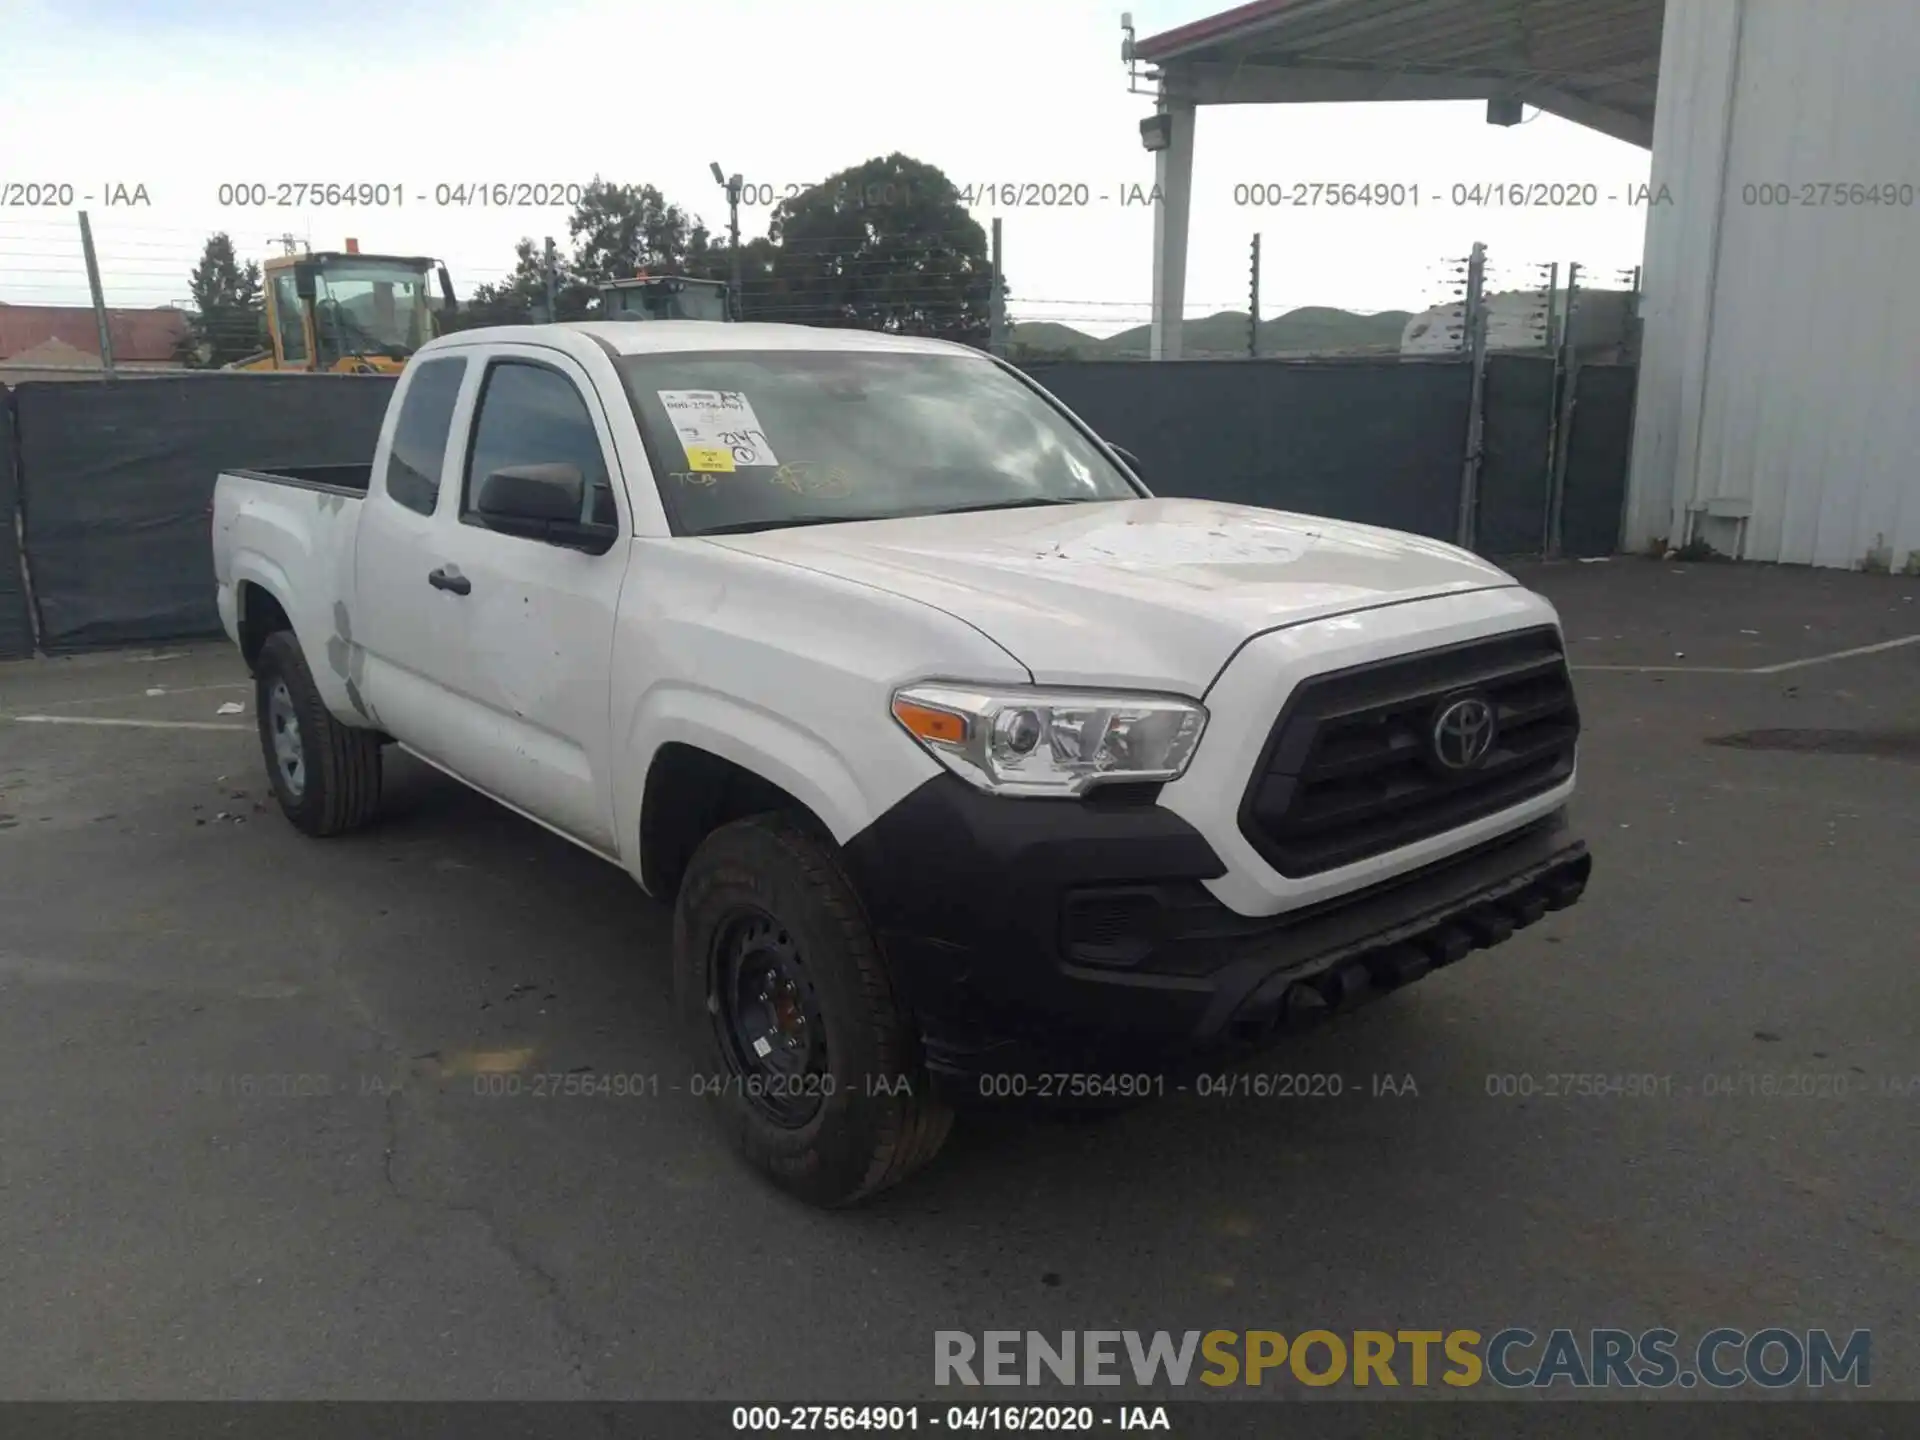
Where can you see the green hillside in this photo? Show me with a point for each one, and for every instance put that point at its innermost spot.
(1312, 328)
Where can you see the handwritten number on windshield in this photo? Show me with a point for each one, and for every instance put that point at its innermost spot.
(745, 444)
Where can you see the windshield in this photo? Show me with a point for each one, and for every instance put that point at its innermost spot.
(747, 440)
(373, 308)
(692, 301)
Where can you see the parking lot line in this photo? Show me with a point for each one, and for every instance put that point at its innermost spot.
(1778, 669)
(121, 724)
(164, 692)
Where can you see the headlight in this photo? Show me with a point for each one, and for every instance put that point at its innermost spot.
(1041, 742)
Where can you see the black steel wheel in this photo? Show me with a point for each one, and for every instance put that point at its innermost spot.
(766, 1016)
(804, 1049)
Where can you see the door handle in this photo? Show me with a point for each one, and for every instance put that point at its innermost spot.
(441, 580)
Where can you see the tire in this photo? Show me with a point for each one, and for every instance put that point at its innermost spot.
(334, 784)
(873, 1119)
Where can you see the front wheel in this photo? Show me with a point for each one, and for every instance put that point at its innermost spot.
(804, 1050)
(325, 775)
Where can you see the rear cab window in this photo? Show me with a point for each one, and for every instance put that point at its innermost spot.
(419, 450)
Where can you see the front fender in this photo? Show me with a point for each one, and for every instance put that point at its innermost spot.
(772, 746)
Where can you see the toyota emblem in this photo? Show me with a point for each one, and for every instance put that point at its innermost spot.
(1463, 733)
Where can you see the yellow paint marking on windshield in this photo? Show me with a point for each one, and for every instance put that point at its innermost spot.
(802, 477)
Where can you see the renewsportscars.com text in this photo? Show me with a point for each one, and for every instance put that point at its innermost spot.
(1723, 1359)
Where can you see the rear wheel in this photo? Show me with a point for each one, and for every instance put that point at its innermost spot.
(325, 775)
(807, 1057)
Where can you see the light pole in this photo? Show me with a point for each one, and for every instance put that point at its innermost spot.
(732, 186)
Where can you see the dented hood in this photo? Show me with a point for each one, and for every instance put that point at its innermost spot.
(1155, 594)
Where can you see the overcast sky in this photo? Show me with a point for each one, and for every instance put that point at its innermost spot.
(183, 95)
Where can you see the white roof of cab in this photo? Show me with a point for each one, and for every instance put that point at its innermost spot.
(643, 337)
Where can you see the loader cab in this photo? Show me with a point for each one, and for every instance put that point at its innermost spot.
(666, 297)
(350, 313)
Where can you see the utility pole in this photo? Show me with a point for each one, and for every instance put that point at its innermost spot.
(997, 302)
(1253, 304)
(547, 274)
(1476, 337)
(732, 184)
(99, 299)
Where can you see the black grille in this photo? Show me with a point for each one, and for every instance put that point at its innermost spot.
(1350, 771)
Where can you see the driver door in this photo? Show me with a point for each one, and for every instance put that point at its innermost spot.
(536, 623)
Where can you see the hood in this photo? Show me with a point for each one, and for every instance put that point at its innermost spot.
(1150, 594)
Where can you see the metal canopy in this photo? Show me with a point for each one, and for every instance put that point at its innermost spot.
(1595, 62)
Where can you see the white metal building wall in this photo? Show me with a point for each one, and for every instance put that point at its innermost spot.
(1779, 403)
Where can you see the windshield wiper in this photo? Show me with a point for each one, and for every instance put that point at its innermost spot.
(1026, 504)
(784, 522)
(787, 522)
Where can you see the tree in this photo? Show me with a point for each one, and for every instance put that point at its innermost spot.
(226, 323)
(886, 245)
(521, 298)
(762, 286)
(619, 230)
(616, 231)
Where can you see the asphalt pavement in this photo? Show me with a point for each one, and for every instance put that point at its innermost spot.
(258, 1140)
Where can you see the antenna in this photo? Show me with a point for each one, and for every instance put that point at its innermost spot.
(1128, 44)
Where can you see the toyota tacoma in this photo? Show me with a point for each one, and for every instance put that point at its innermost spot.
(961, 757)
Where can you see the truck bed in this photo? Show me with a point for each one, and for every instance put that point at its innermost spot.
(290, 533)
(335, 479)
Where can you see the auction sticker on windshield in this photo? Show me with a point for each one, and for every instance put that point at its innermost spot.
(717, 429)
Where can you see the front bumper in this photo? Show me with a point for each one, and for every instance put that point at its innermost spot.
(1037, 936)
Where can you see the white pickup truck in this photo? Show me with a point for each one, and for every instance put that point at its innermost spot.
(970, 767)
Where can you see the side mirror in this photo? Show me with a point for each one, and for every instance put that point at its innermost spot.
(305, 280)
(446, 291)
(532, 492)
(541, 502)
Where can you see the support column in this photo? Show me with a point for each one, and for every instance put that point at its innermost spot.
(1692, 136)
(1173, 176)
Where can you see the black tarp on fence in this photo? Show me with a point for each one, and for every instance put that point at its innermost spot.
(118, 485)
(16, 624)
(1381, 442)
(116, 479)
(1599, 445)
(1514, 436)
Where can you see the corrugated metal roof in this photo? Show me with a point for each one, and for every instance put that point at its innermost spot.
(1213, 27)
(1602, 53)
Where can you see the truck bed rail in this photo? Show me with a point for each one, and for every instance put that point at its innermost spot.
(351, 480)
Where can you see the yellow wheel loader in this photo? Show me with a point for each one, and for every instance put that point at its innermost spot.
(340, 312)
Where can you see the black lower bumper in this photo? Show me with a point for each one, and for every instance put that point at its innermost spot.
(1041, 937)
